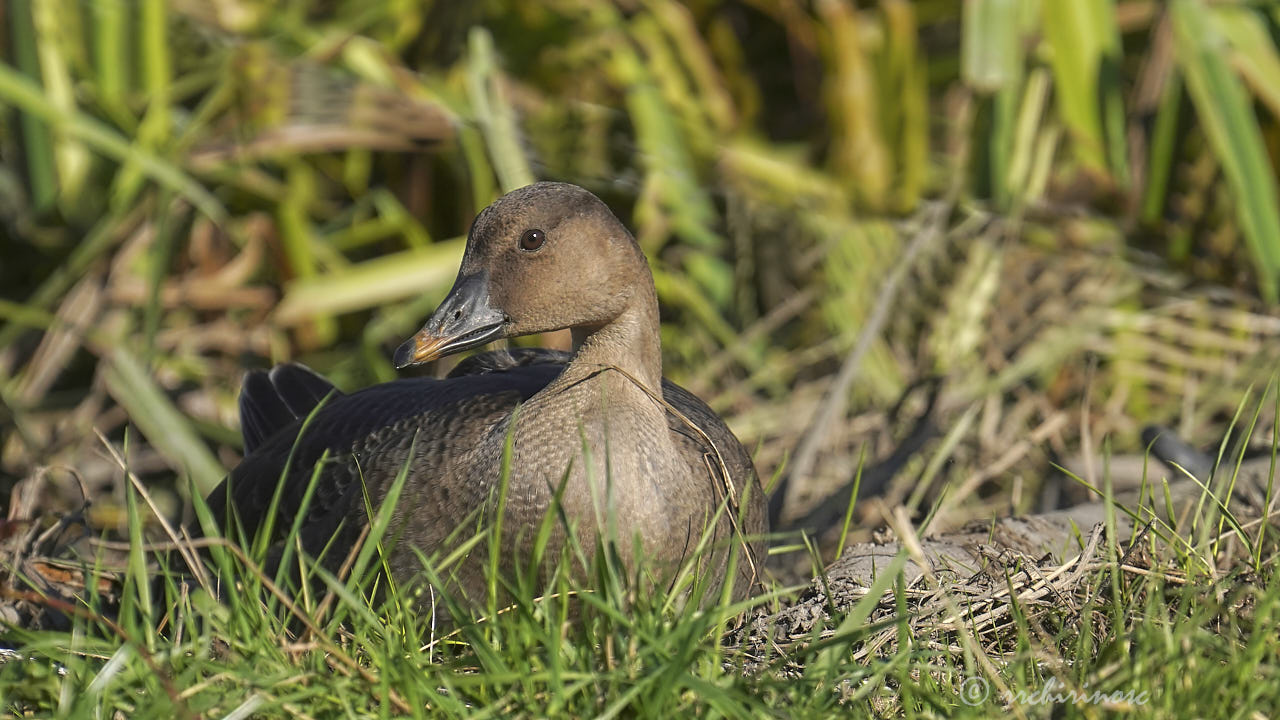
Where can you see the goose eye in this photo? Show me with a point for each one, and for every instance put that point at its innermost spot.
(532, 240)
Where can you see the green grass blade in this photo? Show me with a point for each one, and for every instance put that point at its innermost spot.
(831, 651)
(138, 576)
(380, 520)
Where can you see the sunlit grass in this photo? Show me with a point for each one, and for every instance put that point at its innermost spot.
(1164, 633)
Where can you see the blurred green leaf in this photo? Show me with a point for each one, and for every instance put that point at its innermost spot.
(990, 58)
(1085, 56)
(21, 92)
(1164, 148)
(111, 61)
(494, 114)
(54, 42)
(663, 152)
(35, 135)
(301, 243)
(905, 103)
(1025, 136)
(372, 283)
(1254, 53)
(164, 425)
(713, 275)
(1228, 117)
(860, 155)
(156, 129)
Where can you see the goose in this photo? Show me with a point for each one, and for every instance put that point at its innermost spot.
(635, 459)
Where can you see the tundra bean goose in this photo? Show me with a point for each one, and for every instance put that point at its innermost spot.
(640, 459)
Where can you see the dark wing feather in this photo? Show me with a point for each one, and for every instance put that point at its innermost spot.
(300, 387)
(262, 412)
(272, 401)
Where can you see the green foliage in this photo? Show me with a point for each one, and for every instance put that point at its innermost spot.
(564, 642)
(352, 142)
(186, 188)
(1228, 116)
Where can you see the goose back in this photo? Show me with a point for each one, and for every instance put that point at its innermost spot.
(366, 437)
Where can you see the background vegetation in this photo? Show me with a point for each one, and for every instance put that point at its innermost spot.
(1067, 210)
(194, 188)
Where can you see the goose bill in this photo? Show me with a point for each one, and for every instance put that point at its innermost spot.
(464, 320)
